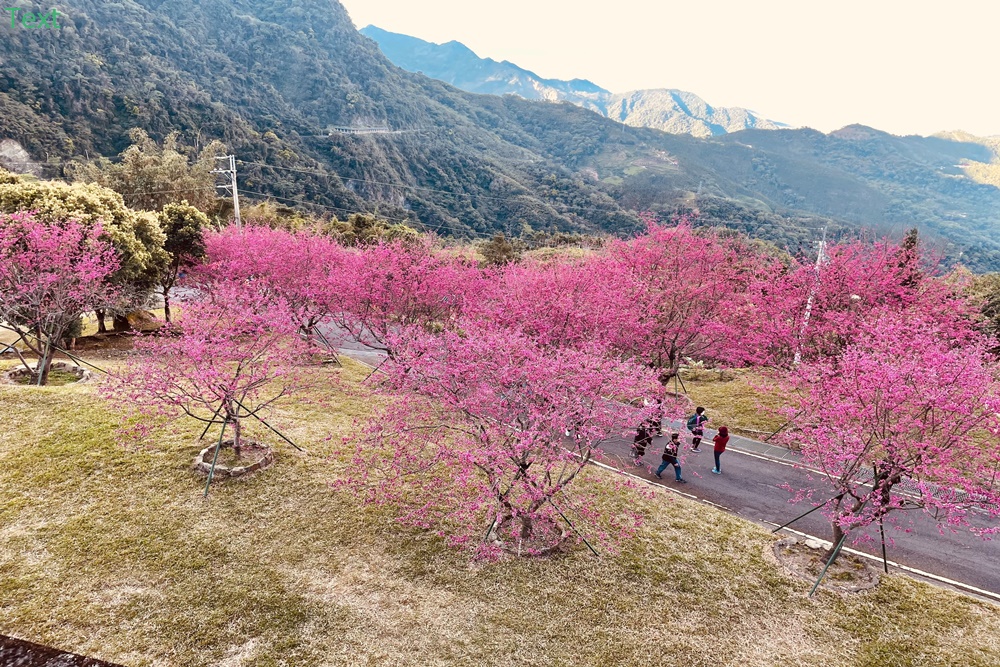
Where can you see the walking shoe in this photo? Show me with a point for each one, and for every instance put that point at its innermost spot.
(717, 472)
(695, 450)
(682, 481)
(658, 475)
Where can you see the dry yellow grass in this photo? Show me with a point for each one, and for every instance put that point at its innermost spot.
(113, 552)
(745, 401)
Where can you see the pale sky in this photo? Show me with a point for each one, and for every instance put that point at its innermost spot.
(904, 66)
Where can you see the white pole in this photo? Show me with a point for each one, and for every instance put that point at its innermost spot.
(812, 295)
(232, 186)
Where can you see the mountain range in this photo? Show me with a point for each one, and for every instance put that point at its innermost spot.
(674, 111)
(278, 81)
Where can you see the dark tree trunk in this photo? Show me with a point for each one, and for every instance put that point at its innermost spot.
(838, 534)
(101, 326)
(166, 306)
(527, 527)
(43, 366)
(232, 417)
(237, 438)
(121, 323)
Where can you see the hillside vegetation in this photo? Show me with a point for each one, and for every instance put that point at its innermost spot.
(272, 79)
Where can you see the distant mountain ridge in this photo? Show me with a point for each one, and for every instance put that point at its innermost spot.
(674, 111)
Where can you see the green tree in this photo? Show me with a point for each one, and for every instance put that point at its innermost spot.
(184, 226)
(500, 250)
(150, 176)
(362, 229)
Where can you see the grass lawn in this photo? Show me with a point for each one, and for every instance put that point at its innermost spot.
(743, 400)
(113, 552)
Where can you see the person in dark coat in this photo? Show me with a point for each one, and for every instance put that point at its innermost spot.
(670, 453)
(657, 418)
(720, 440)
(643, 439)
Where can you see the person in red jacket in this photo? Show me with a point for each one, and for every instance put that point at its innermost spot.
(720, 440)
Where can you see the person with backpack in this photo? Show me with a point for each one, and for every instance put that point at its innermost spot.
(720, 440)
(695, 424)
(670, 453)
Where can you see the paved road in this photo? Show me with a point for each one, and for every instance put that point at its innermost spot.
(751, 487)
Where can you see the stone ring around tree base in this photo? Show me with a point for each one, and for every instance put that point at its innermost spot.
(548, 537)
(801, 558)
(16, 375)
(259, 456)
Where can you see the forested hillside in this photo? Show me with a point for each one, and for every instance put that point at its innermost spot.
(272, 79)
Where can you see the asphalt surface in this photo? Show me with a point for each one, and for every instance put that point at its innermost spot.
(753, 485)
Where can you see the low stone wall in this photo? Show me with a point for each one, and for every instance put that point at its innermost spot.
(264, 459)
(83, 375)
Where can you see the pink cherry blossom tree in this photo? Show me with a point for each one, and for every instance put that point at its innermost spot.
(50, 275)
(903, 418)
(229, 356)
(303, 270)
(387, 287)
(676, 292)
(491, 431)
(557, 304)
(813, 310)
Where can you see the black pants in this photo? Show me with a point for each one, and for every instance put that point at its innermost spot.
(696, 437)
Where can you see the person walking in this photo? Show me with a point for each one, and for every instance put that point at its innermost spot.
(656, 419)
(720, 440)
(670, 453)
(695, 424)
(643, 439)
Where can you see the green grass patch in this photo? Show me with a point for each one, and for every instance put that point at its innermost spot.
(747, 402)
(112, 551)
(57, 378)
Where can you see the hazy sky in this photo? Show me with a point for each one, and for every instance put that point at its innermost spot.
(904, 66)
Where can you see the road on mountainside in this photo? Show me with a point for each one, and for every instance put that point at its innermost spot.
(751, 486)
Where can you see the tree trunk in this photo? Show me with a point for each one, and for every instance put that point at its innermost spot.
(237, 438)
(672, 368)
(527, 526)
(838, 534)
(43, 366)
(101, 326)
(166, 306)
(121, 323)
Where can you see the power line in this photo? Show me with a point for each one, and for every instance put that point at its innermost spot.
(310, 203)
(150, 192)
(164, 192)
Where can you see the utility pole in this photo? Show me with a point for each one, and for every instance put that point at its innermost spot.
(231, 172)
(812, 295)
